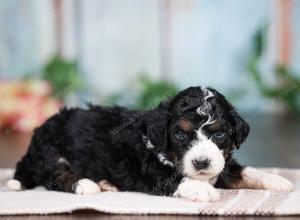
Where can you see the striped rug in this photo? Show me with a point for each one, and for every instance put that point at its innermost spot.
(233, 202)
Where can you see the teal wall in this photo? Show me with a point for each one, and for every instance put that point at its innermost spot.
(209, 42)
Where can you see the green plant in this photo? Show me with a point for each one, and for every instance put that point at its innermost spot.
(287, 89)
(150, 94)
(63, 75)
(153, 92)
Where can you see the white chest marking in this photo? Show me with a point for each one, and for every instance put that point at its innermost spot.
(164, 160)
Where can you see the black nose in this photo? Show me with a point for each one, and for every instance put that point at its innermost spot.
(201, 164)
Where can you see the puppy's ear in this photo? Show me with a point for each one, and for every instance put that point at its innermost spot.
(155, 124)
(240, 129)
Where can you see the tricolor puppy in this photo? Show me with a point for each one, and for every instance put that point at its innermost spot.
(181, 148)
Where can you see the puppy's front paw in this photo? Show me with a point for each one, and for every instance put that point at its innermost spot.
(277, 183)
(257, 179)
(86, 186)
(197, 191)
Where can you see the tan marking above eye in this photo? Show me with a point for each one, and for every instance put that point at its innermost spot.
(215, 126)
(185, 125)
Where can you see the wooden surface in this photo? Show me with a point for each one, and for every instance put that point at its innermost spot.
(273, 141)
(90, 215)
(94, 215)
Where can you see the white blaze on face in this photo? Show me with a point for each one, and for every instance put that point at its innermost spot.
(203, 110)
(204, 148)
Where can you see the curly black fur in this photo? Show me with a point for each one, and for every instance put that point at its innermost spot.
(134, 150)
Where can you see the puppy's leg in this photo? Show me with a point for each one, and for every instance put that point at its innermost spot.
(257, 179)
(68, 182)
(197, 190)
(63, 179)
(23, 178)
(237, 177)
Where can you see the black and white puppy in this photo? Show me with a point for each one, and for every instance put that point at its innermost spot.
(183, 148)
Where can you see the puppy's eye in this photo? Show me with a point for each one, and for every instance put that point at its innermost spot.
(219, 134)
(180, 135)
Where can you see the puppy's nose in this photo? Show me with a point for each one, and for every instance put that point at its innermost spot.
(201, 164)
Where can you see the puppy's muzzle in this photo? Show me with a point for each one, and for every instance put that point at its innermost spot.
(201, 163)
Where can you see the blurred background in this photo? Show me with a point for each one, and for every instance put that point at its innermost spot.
(138, 52)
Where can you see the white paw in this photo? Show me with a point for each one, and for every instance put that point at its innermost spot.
(257, 179)
(14, 185)
(277, 183)
(86, 186)
(197, 191)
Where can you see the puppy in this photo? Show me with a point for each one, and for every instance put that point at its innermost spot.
(181, 148)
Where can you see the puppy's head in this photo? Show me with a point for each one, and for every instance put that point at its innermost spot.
(200, 129)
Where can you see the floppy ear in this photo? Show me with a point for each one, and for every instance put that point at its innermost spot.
(240, 129)
(155, 123)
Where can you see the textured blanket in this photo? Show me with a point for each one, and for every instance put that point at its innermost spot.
(233, 202)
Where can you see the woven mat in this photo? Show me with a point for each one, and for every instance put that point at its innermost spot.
(233, 202)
